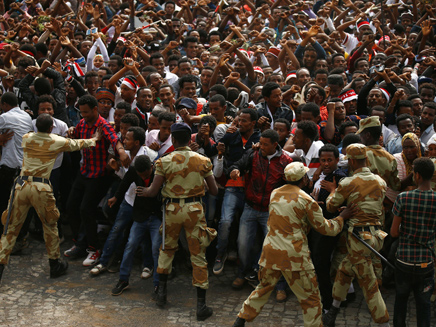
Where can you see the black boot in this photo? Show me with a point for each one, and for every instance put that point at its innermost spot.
(57, 267)
(203, 311)
(330, 317)
(239, 322)
(2, 267)
(162, 290)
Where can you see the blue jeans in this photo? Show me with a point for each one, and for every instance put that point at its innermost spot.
(138, 233)
(250, 219)
(123, 220)
(232, 202)
(420, 281)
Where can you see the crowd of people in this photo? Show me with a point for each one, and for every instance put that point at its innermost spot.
(253, 123)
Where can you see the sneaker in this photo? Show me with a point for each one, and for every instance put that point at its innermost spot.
(121, 286)
(75, 252)
(97, 270)
(218, 267)
(281, 296)
(146, 273)
(92, 259)
(238, 283)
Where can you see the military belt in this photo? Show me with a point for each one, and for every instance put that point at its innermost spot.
(34, 179)
(187, 200)
(365, 228)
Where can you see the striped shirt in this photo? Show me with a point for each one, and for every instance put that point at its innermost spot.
(311, 158)
(94, 159)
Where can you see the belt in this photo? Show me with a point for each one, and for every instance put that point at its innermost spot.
(365, 228)
(421, 265)
(187, 200)
(34, 179)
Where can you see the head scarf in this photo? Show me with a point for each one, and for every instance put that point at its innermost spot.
(415, 139)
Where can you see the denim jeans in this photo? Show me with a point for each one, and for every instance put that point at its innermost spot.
(123, 220)
(250, 220)
(232, 202)
(138, 233)
(420, 281)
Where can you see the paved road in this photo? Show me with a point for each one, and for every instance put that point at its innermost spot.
(28, 297)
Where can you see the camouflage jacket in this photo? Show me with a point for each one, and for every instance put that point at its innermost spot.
(292, 212)
(184, 172)
(365, 189)
(382, 163)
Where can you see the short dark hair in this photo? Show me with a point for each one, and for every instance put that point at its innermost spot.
(404, 103)
(374, 131)
(321, 71)
(220, 98)
(329, 148)
(430, 105)
(425, 167)
(138, 134)
(187, 79)
(89, 75)
(46, 98)
(402, 117)
(284, 121)
(210, 120)
(311, 107)
(168, 116)
(41, 47)
(156, 55)
(89, 100)
(350, 139)
(271, 134)
(142, 163)
(320, 89)
(124, 105)
(377, 108)
(190, 39)
(182, 60)
(42, 86)
(118, 59)
(268, 88)
(346, 124)
(10, 99)
(309, 129)
(428, 86)
(335, 79)
(220, 89)
(130, 119)
(44, 122)
(254, 116)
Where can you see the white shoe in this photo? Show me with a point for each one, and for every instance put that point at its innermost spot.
(92, 259)
(97, 270)
(146, 273)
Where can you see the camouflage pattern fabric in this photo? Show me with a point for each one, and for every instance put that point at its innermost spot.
(292, 213)
(190, 216)
(184, 172)
(382, 163)
(367, 190)
(39, 154)
(304, 285)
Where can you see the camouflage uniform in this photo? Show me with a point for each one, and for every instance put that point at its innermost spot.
(286, 251)
(367, 190)
(184, 172)
(40, 152)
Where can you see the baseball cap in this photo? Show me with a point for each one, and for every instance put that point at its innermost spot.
(368, 122)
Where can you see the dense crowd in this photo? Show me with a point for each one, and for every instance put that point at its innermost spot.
(259, 84)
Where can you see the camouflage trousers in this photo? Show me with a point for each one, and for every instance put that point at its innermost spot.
(302, 283)
(358, 264)
(190, 216)
(39, 196)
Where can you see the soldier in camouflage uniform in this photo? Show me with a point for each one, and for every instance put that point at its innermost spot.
(33, 189)
(184, 172)
(292, 213)
(367, 190)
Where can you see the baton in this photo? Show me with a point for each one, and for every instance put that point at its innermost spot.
(373, 250)
(11, 203)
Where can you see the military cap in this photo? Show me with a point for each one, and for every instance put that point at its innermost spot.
(295, 171)
(180, 127)
(356, 151)
(187, 103)
(368, 122)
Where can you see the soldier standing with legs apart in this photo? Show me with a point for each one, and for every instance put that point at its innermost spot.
(367, 190)
(184, 172)
(292, 213)
(33, 189)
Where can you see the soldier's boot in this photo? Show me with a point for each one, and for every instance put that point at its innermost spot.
(57, 267)
(203, 311)
(330, 317)
(239, 322)
(2, 267)
(161, 298)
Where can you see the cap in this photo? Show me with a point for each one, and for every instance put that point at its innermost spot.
(180, 127)
(295, 171)
(292, 74)
(188, 103)
(360, 24)
(368, 122)
(356, 151)
(274, 51)
(104, 93)
(257, 69)
(348, 96)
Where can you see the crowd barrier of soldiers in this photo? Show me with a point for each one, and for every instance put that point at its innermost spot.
(295, 138)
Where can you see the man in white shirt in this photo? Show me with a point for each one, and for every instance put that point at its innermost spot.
(160, 139)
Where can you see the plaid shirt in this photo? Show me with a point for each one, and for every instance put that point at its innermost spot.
(94, 159)
(418, 225)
